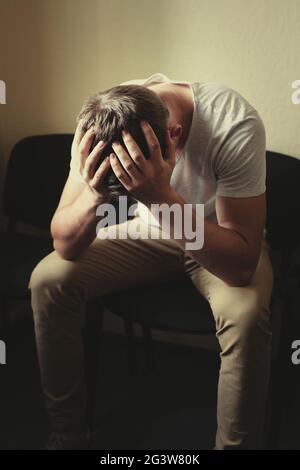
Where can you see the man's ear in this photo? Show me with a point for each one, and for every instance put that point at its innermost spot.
(175, 132)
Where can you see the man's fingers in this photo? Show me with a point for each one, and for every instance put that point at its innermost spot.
(85, 145)
(153, 143)
(93, 158)
(134, 151)
(119, 171)
(79, 133)
(170, 149)
(100, 173)
(86, 140)
(126, 161)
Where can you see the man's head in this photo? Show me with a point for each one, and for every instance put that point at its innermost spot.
(123, 107)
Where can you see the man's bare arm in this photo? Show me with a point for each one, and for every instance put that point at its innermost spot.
(231, 247)
(73, 226)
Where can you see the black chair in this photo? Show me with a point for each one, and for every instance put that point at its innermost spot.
(283, 233)
(37, 170)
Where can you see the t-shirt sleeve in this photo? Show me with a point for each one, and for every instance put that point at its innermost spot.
(240, 164)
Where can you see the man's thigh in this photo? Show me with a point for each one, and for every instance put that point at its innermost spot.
(114, 263)
(229, 302)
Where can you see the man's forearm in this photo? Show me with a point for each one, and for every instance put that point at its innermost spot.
(73, 227)
(225, 253)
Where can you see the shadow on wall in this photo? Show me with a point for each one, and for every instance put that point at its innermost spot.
(55, 53)
(23, 69)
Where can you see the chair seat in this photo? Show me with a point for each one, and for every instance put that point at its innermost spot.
(19, 254)
(176, 307)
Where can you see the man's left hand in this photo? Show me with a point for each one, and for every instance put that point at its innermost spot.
(148, 180)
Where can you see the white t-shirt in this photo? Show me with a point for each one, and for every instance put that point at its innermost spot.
(224, 153)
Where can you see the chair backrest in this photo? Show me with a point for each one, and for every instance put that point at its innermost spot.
(37, 171)
(39, 165)
(283, 202)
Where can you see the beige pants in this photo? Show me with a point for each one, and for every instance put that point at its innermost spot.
(60, 288)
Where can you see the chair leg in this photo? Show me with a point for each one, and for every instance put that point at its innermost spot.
(149, 349)
(276, 409)
(93, 329)
(279, 380)
(131, 347)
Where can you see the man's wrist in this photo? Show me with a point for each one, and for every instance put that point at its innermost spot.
(94, 197)
(167, 197)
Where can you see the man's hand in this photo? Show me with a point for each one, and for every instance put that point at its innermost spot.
(87, 161)
(148, 180)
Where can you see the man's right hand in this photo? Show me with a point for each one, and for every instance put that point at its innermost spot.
(73, 226)
(88, 161)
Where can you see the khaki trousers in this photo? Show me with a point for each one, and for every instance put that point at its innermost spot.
(60, 289)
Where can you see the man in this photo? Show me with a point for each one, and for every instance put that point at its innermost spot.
(201, 143)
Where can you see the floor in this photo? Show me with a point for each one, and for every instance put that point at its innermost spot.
(173, 408)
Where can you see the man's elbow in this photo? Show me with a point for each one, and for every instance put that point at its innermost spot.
(242, 277)
(241, 280)
(64, 251)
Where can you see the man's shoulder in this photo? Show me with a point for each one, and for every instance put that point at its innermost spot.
(221, 103)
(230, 125)
(157, 77)
(136, 81)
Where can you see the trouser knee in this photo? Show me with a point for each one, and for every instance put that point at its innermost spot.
(241, 322)
(54, 281)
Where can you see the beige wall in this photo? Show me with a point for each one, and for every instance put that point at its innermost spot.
(54, 53)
